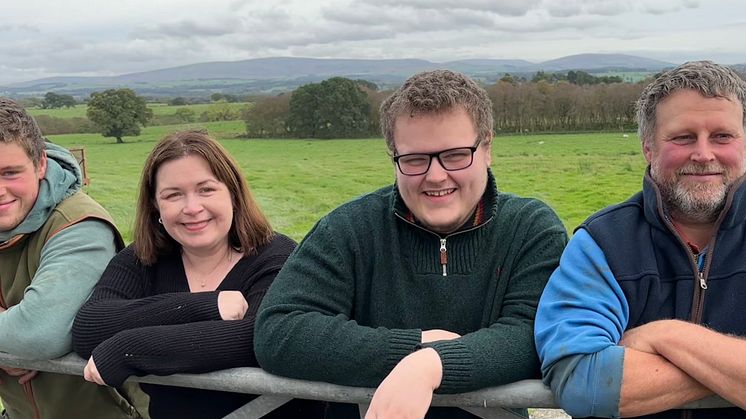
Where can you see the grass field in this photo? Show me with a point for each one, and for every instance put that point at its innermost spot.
(298, 181)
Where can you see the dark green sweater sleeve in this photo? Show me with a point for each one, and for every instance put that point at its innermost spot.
(304, 327)
(504, 352)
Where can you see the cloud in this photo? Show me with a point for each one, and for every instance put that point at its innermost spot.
(403, 19)
(503, 7)
(190, 29)
(661, 7)
(73, 38)
(4, 27)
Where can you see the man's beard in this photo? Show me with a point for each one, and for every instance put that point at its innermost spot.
(694, 201)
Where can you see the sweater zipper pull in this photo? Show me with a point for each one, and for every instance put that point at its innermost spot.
(443, 256)
(702, 283)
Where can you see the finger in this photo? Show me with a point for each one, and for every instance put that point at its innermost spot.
(25, 378)
(15, 372)
(90, 373)
(93, 377)
(87, 374)
(100, 381)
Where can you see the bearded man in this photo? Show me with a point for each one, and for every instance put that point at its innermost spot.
(643, 315)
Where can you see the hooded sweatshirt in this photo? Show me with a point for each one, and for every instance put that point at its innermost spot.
(49, 264)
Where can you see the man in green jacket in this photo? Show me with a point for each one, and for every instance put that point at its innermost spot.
(54, 243)
(430, 284)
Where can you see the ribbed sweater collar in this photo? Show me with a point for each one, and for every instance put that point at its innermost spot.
(485, 210)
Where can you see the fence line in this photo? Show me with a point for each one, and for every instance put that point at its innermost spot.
(275, 391)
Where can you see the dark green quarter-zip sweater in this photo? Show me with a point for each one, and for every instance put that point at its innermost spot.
(354, 297)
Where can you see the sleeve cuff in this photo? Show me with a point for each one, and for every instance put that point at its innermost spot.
(589, 384)
(205, 306)
(458, 365)
(402, 342)
(111, 363)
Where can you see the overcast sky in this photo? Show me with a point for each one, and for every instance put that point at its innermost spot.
(43, 38)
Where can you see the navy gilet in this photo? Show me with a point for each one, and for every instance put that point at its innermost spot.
(659, 275)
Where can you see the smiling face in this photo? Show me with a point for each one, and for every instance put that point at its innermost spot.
(697, 153)
(19, 184)
(195, 207)
(441, 200)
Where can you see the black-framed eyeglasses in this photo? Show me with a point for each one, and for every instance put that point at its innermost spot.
(452, 159)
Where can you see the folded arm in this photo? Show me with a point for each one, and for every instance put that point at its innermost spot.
(185, 348)
(713, 359)
(119, 302)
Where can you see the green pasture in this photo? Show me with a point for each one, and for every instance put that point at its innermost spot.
(158, 109)
(298, 181)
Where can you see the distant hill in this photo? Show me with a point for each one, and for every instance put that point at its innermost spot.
(604, 62)
(277, 68)
(279, 74)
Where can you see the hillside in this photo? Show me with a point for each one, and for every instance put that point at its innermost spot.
(279, 74)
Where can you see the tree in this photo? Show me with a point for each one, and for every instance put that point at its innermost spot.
(53, 100)
(334, 108)
(185, 115)
(30, 102)
(177, 101)
(268, 117)
(581, 78)
(220, 111)
(217, 97)
(507, 78)
(365, 84)
(118, 112)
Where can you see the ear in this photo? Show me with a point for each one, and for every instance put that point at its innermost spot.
(41, 170)
(488, 150)
(647, 151)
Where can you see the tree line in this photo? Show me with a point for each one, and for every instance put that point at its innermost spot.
(344, 108)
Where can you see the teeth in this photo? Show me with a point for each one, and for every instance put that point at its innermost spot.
(196, 223)
(440, 193)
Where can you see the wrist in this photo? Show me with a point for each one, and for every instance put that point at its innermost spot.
(668, 332)
(427, 363)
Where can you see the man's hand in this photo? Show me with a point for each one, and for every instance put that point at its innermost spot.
(408, 389)
(90, 373)
(438, 334)
(232, 305)
(24, 374)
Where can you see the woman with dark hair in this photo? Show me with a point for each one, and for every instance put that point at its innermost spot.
(183, 296)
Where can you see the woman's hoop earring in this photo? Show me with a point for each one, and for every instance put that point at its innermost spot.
(160, 221)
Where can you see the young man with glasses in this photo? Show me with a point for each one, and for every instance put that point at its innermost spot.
(427, 285)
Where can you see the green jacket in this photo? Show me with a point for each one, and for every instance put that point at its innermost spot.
(354, 297)
(48, 267)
